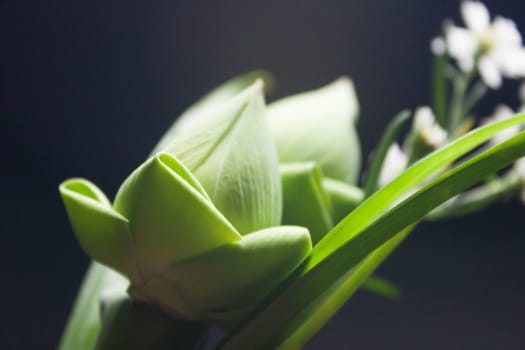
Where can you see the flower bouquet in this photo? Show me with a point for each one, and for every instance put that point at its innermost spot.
(251, 224)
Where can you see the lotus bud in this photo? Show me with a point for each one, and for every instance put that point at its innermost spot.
(196, 230)
(319, 126)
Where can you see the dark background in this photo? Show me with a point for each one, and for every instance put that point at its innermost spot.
(87, 87)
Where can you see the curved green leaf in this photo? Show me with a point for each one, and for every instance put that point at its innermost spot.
(283, 322)
(387, 139)
(381, 286)
(407, 181)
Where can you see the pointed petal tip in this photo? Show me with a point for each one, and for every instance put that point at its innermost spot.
(81, 187)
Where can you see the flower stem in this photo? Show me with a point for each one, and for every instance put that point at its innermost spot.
(477, 199)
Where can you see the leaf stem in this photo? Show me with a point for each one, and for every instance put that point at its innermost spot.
(389, 136)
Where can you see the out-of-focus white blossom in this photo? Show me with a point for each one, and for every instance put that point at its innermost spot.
(438, 46)
(394, 164)
(426, 127)
(496, 47)
(502, 112)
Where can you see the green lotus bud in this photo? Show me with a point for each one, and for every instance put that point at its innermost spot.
(230, 151)
(178, 250)
(305, 202)
(319, 126)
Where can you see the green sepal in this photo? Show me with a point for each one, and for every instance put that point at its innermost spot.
(230, 151)
(305, 202)
(240, 274)
(319, 126)
(102, 232)
(170, 216)
(344, 197)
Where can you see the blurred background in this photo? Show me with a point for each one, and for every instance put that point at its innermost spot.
(88, 87)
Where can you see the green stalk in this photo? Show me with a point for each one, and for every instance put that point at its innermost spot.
(387, 139)
(477, 199)
(457, 109)
(439, 89)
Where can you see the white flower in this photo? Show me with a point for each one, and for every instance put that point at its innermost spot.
(427, 128)
(502, 112)
(498, 44)
(438, 46)
(394, 164)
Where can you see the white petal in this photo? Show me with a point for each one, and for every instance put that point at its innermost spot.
(502, 112)
(490, 74)
(475, 15)
(461, 45)
(511, 62)
(394, 164)
(423, 119)
(519, 168)
(505, 33)
(426, 125)
(438, 46)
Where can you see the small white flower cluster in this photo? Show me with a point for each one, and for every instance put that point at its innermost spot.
(494, 48)
(427, 128)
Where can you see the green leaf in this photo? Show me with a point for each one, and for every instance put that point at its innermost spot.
(130, 325)
(101, 231)
(281, 322)
(213, 99)
(305, 202)
(381, 286)
(84, 323)
(478, 198)
(407, 181)
(240, 274)
(319, 126)
(389, 136)
(440, 89)
(169, 218)
(231, 153)
(314, 316)
(344, 197)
